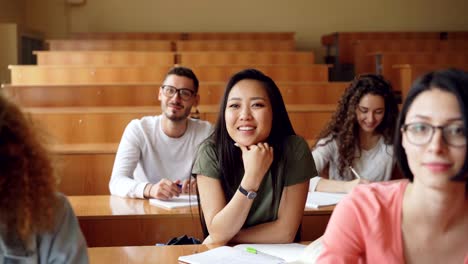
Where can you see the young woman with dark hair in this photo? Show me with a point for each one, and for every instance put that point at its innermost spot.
(253, 172)
(423, 219)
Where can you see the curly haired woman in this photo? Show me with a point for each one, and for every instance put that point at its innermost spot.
(356, 146)
(37, 225)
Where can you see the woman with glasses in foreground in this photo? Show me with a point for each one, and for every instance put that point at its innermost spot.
(423, 219)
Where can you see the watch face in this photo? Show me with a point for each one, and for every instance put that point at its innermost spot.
(251, 195)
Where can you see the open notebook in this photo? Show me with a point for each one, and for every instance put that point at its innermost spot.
(184, 200)
(319, 199)
(264, 254)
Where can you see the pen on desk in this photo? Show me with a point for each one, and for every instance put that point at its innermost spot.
(354, 172)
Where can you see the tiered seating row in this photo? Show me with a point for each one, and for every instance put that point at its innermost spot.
(384, 62)
(46, 75)
(106, 124)
(169, 58)
(340, 44)
(163, 45)
(363, 48)
(146, 94)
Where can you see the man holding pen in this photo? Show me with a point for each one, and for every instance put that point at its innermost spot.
(155, 154)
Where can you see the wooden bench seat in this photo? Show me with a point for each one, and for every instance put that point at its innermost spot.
(53, 74)
(105, 58)
(106, 124)
(104, 44)
(146, 94)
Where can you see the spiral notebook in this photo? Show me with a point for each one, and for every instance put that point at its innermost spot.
(184, 200)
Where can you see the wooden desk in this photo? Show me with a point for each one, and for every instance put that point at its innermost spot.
(92, 179)
(113, 221)
(142, 254)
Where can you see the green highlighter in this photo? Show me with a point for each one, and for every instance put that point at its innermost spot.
(251, 250)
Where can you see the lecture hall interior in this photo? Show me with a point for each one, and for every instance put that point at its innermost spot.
(83, 69)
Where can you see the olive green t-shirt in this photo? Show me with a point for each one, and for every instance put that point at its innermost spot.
(298, 166)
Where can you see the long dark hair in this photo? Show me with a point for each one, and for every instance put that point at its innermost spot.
(230, 156)
(453, 81)
(344, 126)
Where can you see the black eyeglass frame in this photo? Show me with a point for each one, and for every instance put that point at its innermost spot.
(179, 91)
(404, 129)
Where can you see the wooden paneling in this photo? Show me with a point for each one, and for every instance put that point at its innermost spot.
(235, 45)
(103, 45)
(104, 58)
(244, 58)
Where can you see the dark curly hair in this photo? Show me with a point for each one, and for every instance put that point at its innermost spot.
(27, 182)
(344, 128)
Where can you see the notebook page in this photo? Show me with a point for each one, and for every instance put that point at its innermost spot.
(184, 200)
(229, 255)
(288, 252)
(318, 199)
(310, 253)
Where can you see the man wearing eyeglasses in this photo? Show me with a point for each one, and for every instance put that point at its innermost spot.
(155, 155)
